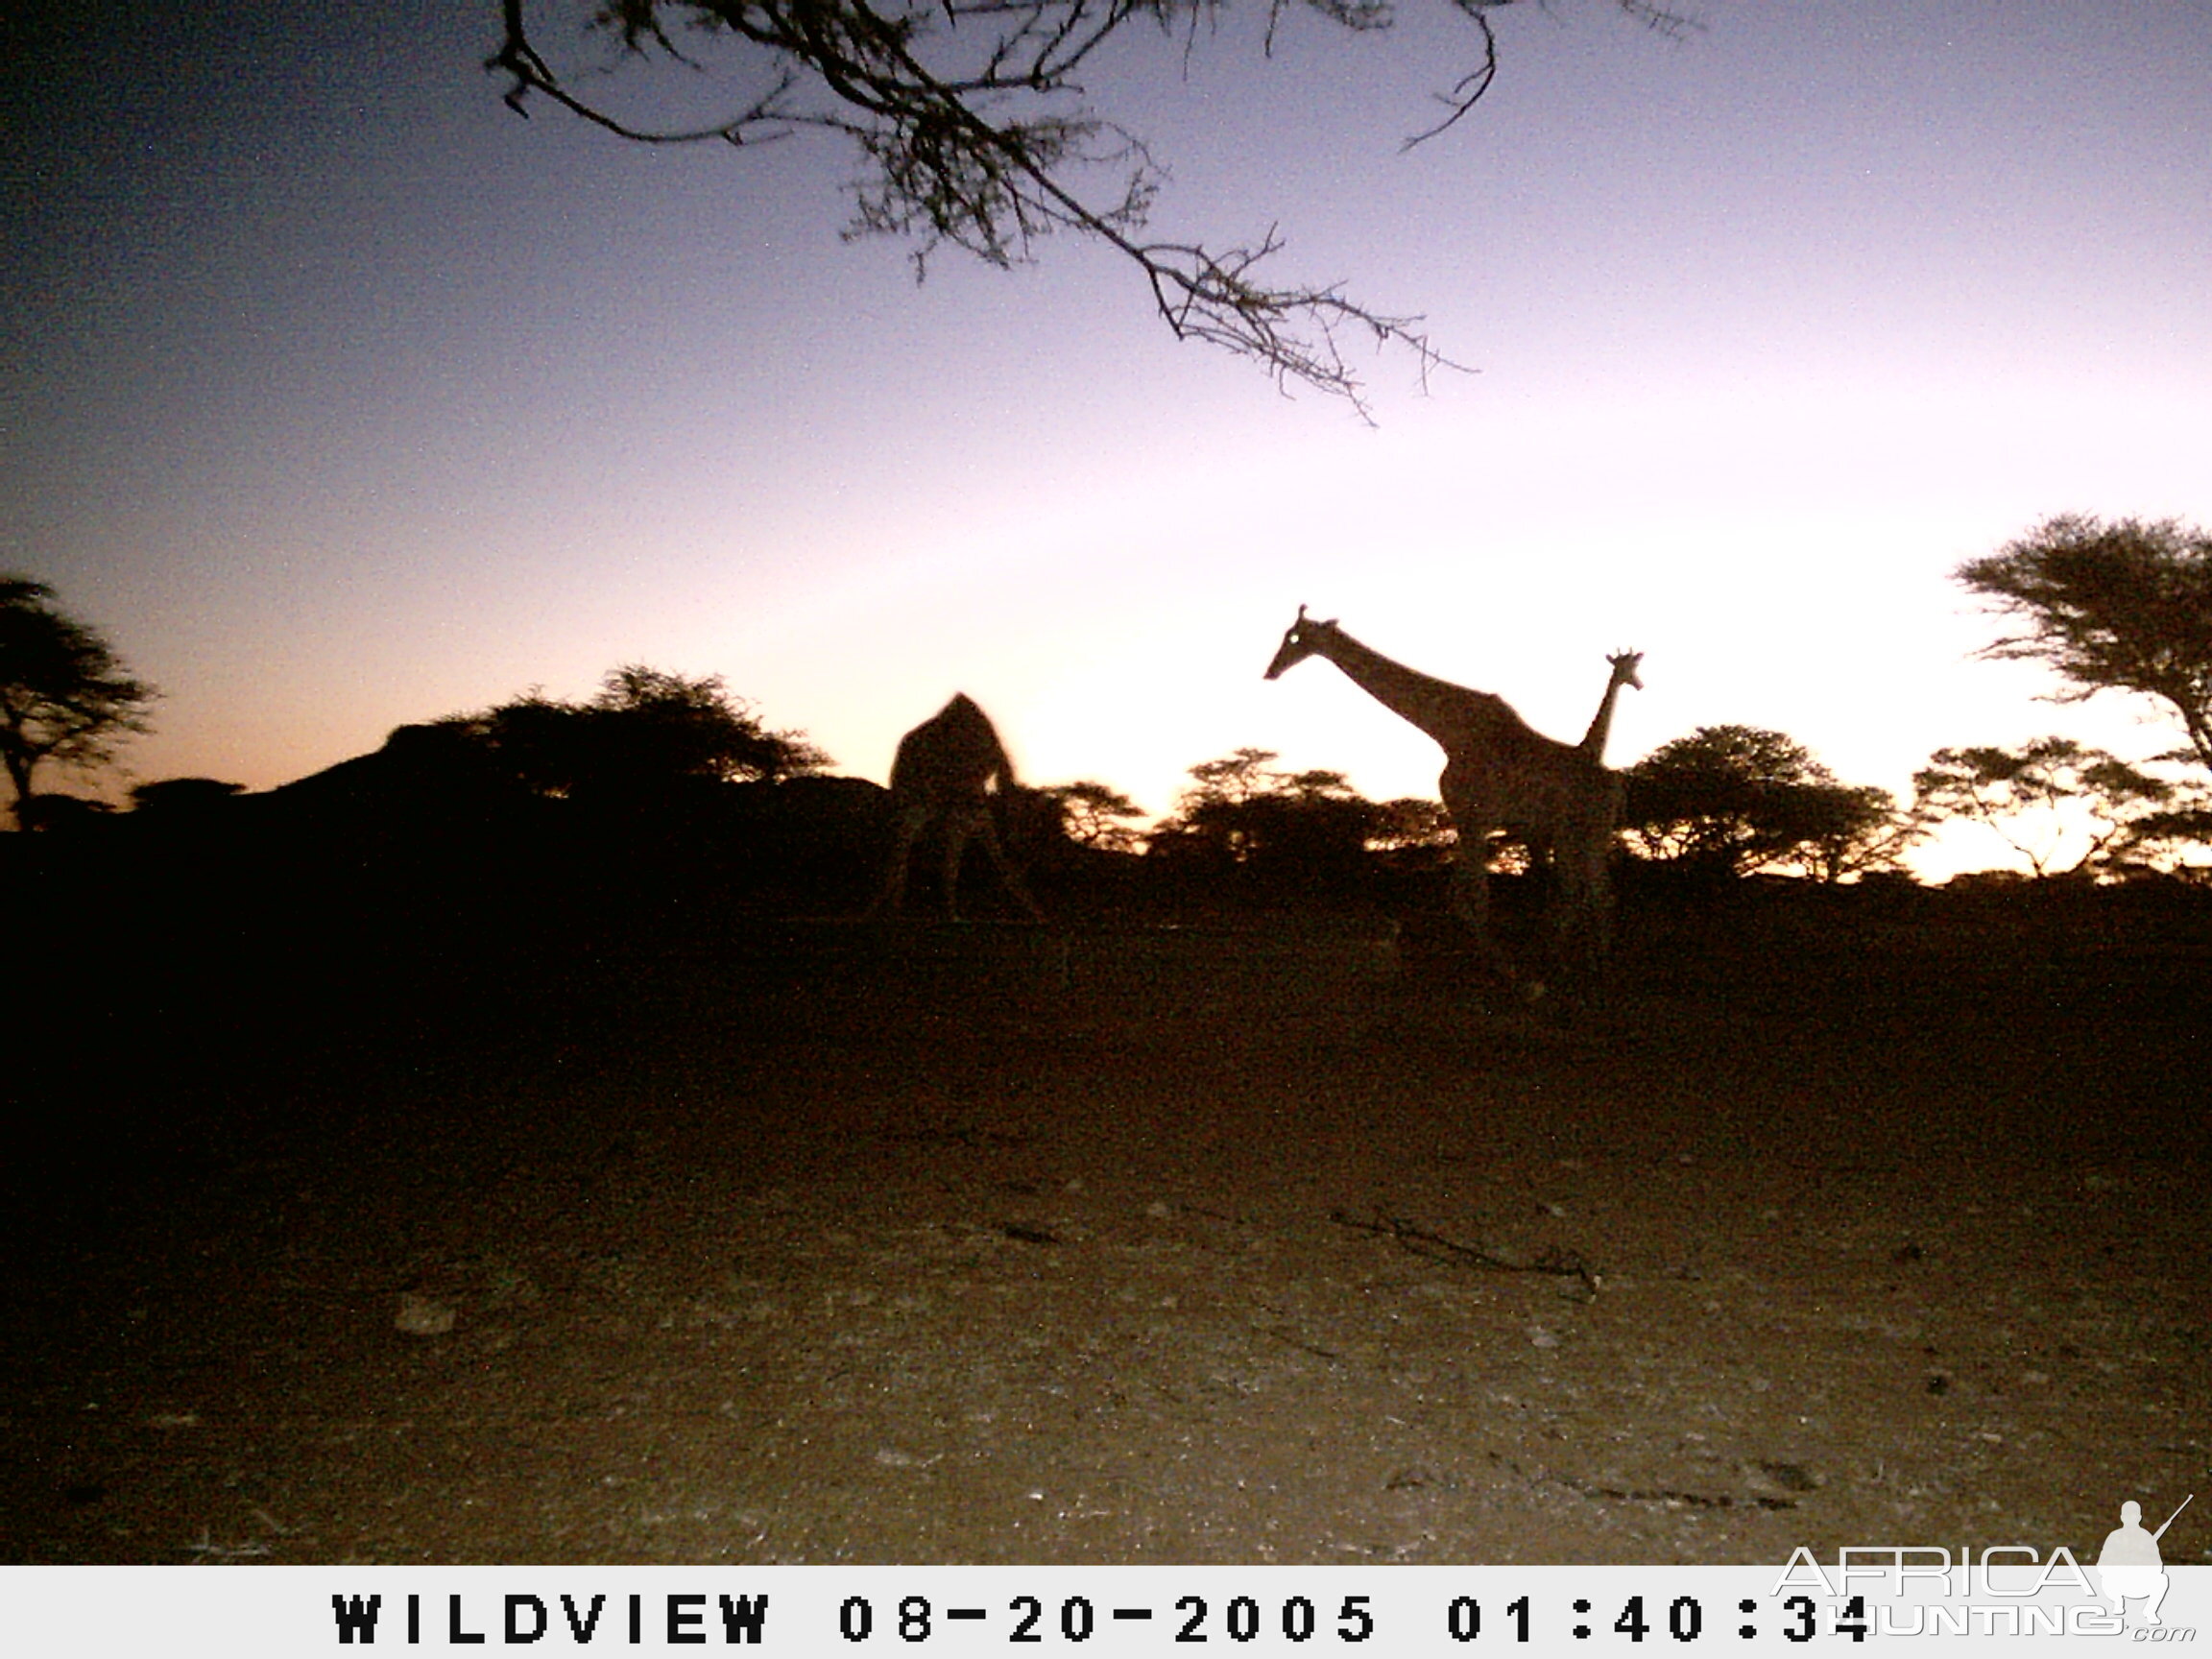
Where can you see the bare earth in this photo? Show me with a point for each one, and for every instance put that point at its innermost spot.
(1016, 1246)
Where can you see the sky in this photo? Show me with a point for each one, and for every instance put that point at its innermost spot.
(339, 397)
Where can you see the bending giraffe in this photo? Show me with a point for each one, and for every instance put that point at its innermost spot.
(1500, 774)
(946, 771)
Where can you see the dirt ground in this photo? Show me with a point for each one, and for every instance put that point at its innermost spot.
(1018, 1246)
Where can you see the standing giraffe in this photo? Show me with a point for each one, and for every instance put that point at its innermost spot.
(946, 771)
(1602, 823)
(1498, 774)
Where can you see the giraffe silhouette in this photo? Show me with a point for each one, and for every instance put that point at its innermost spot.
(1623, 664)
(1558, 800)
(948, 770)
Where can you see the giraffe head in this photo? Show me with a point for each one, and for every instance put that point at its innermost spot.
(1300, 640)
(1624, 666)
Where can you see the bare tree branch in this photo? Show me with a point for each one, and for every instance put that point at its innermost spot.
(974, 133)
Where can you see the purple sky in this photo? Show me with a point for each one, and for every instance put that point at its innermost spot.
(339, 397)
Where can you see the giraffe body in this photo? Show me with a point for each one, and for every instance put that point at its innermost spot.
(1499, 773)
(947, 772)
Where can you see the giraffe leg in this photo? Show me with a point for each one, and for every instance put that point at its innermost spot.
(891, 896)
(1470, 895)
(1582, 923)
(1471, 904)
(989, 834)
(958, 827)
(1470, 858)
(1572, 942)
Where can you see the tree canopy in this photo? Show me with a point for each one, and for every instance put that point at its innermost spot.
(2119, 607)
(65, 697)
(973, 128)
(1412, 824)
(1734, 800)
(2052, 794)
(1241, 812)
(644, 732)
(1095, 815)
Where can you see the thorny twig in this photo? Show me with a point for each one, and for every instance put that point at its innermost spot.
(1435, 1247)
(974, 130)
(207, 1550)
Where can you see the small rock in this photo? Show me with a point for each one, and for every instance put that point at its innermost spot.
(421, 1315)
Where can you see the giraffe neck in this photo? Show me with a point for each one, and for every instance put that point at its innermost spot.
(1601, 722)
(1451, 714)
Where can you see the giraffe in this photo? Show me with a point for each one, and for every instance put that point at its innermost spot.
(1498, 774)
(1600, 829)
(1623, 664)
(948, 770)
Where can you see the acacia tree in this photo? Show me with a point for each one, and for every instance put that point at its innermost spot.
(1240, 812)
(65, 697)
(973, 130)
(2042, 796)
(2119, 607)
(644, 732)
(1233, 779)
(1095, 814)
(1837, 830)
(668, 724)
(1734, 800)
(1410, 824)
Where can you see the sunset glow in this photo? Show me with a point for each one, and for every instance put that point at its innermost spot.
(339, 397)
